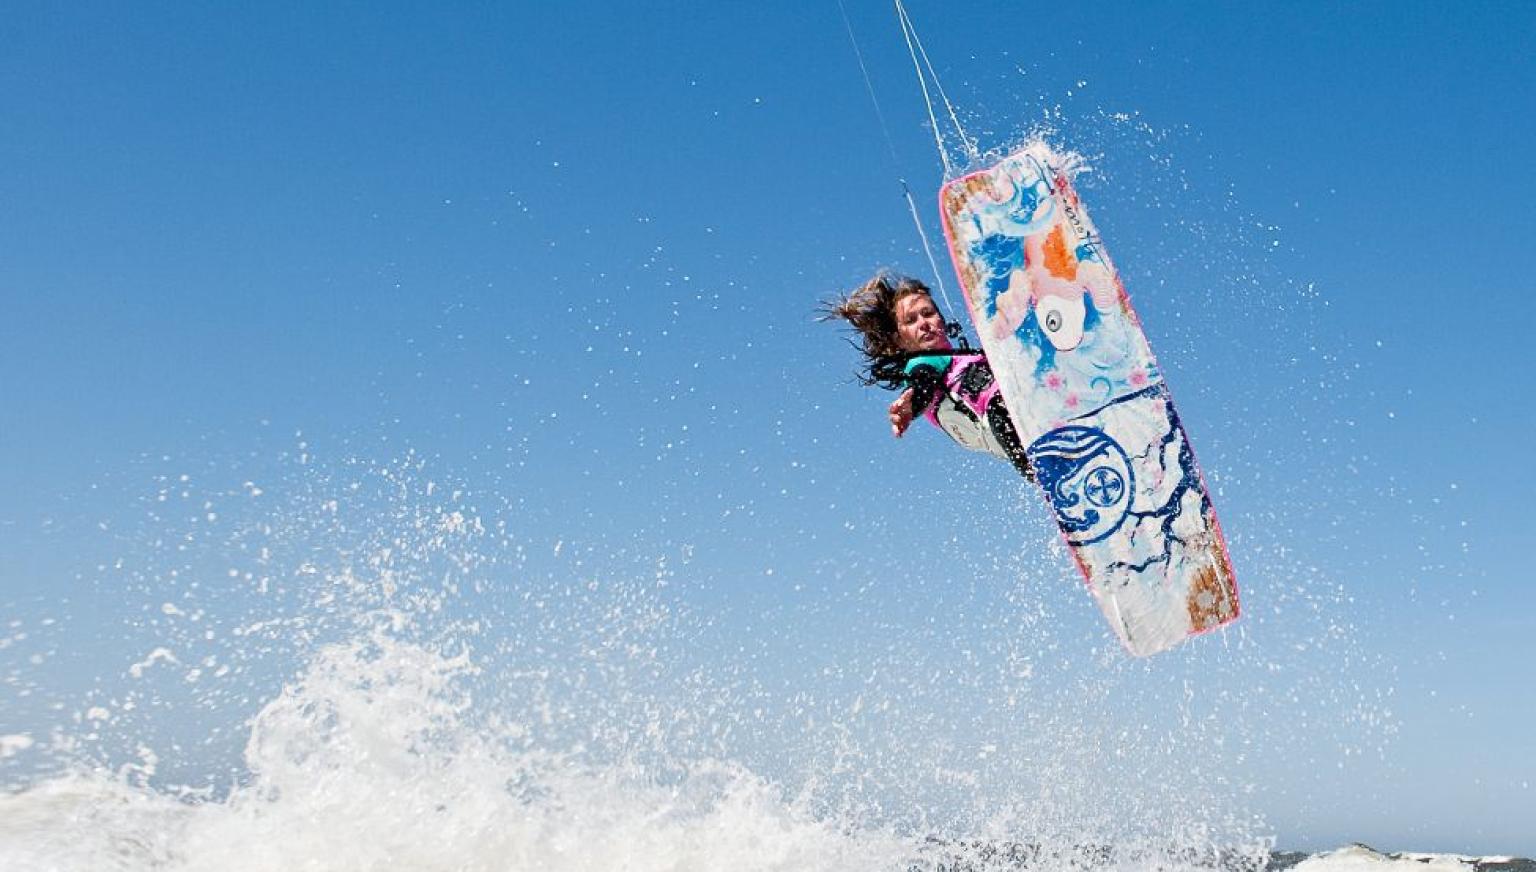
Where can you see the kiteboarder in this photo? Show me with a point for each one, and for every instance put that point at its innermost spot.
(906, 345)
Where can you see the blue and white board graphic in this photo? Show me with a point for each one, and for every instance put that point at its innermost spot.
(1089, 401)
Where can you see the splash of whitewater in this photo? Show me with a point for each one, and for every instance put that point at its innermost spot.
(367, 761)
(382, 678)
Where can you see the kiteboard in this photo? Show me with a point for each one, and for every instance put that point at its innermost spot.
(1089, 400)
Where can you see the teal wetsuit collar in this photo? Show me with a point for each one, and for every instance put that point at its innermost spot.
(939, 362)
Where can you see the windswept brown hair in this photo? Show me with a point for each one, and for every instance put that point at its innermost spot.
(871, 310)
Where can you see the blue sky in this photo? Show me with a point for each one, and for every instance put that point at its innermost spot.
(569, 253)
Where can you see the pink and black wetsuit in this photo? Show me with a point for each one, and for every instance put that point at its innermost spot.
(959, 395)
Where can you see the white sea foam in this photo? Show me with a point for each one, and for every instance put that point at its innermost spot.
(367, 761)
(1360, 858)
(377, 755)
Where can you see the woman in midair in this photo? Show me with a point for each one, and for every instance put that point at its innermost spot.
(906, 347)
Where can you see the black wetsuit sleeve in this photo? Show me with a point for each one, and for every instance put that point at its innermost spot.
(1002, 428)
(926, 382)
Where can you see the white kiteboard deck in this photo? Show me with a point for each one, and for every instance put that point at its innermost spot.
(1088, 400)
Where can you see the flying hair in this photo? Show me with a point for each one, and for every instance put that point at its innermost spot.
(870, 310)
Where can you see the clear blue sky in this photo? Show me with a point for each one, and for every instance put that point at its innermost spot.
(569, 254)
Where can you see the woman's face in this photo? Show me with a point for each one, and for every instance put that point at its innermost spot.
(919, 326)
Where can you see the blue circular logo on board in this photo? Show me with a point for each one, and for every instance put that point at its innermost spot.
(1088, 479)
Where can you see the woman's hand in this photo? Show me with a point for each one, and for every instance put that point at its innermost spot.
(901, 413)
